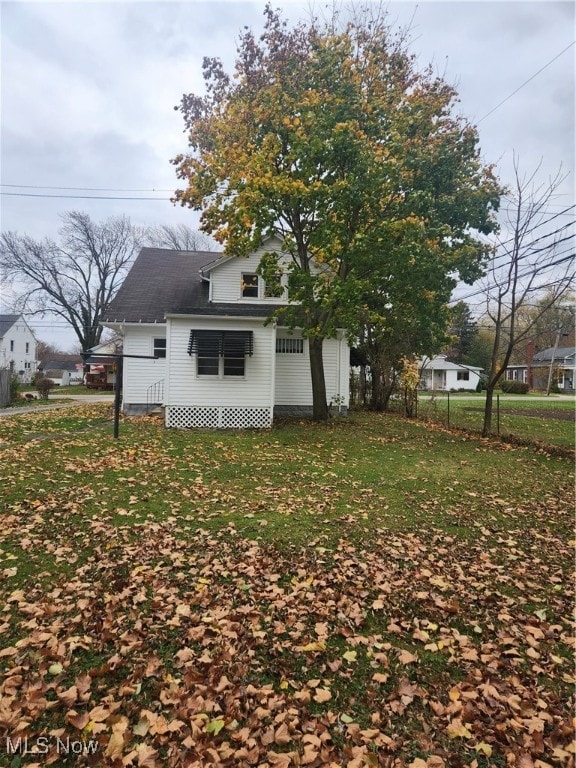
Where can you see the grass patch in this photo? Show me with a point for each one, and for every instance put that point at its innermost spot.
(373, 589)
(542, 419)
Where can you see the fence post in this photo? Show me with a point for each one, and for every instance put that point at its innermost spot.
(448, 393)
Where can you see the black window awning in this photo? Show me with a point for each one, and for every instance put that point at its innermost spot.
(221, 343)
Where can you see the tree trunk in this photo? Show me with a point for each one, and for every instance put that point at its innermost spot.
(362, 386)
(319, 404)
(381, 389)
(487, 426)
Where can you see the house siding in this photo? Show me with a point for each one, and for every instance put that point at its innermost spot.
(140, 375)
(186, 388)
(226, 280)
(293, 381)
(13, 352)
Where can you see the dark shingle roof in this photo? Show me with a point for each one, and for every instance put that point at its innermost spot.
(168, 282)
(559, 354)
(59, 365)
(6, 322)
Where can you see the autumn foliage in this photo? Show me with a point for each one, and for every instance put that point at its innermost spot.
(329, 135)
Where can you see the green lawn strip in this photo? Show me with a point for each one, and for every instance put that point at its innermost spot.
(467, 412)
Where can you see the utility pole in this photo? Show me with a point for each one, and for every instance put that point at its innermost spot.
(118, 383)
(559, 333)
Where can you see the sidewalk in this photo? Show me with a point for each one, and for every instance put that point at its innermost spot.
(54, 406)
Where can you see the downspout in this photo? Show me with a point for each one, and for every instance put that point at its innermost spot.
(339, 376)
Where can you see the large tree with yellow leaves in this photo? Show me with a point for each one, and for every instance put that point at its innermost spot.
(328, 135)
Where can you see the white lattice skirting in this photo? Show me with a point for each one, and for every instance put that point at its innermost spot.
(217, 417)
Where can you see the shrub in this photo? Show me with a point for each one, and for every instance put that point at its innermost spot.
(14, 388)
(514, 387)
(44, 385)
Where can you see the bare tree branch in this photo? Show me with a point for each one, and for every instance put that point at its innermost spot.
(74, 278)
(520, 272)
(178, 237)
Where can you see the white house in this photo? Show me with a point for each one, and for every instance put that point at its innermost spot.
(196, 340)
(17, 347)
(439, 373)
(63, 373)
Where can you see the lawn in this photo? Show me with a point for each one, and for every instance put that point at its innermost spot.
(546, 419)
(374, 592)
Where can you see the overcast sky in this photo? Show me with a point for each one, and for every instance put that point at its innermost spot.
(89, 89)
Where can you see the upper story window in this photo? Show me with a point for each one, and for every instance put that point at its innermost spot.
(249, 285)
(159, 348)
(274, 288)
(27, 347)
(12, 345)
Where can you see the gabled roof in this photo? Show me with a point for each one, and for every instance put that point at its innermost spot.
(6, 322)
(165, 282)
(440, 363)
(59, 365)
(560, 354)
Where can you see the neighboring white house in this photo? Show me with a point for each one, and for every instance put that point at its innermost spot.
(439, 373)
(17, 347)
(196, 340)
(63, 373)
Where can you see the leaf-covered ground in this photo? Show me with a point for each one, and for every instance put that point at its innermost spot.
(372, 593)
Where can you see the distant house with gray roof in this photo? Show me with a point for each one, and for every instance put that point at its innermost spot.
(196, 340)
(562, 361)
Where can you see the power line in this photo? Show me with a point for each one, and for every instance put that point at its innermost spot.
(525, 83)
(86, 189)
(544, 268)
(81, 197)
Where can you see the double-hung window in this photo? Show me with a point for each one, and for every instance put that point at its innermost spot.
(220, 353)
(159, 349)
(463, 376)
(249, 285)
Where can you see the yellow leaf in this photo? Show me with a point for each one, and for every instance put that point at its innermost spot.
(457, 730)
(319, 645)
(350, 655)
(484, 748)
